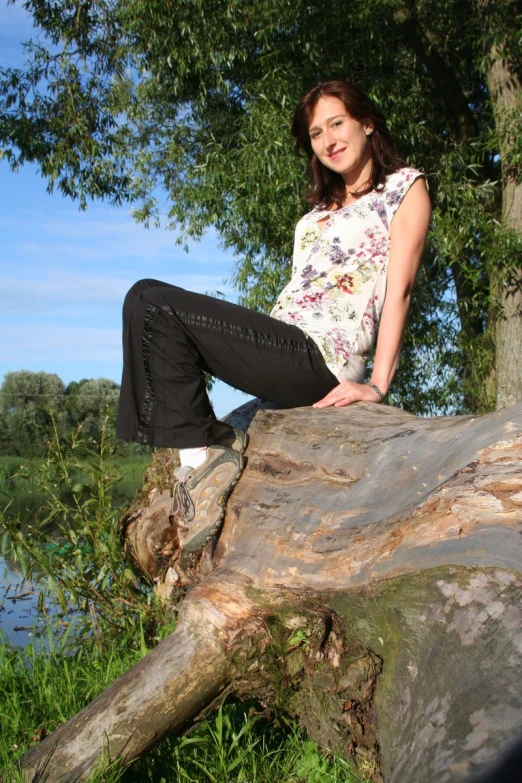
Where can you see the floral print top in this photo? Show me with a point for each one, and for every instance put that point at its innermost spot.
(338, 282)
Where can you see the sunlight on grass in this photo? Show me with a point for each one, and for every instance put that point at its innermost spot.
(72, 555)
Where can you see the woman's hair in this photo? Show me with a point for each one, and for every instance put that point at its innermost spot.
(327, 186)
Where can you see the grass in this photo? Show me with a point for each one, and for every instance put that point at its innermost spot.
(11, 466)
(19, 477)
(42, 689)
(118, 620)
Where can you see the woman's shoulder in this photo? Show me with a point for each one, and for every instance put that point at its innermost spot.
(395, 188)
(402, 178)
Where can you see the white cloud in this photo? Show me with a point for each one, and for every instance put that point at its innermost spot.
(64, 263)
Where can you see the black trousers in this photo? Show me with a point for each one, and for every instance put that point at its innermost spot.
(172, 337)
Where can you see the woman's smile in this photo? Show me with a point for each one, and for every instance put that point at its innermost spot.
(340, 142)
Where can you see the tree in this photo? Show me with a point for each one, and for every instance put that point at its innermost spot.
(503, 67)
(29, 402)
(130, 95)
(367, 579)
(32, 404)
(88, 402)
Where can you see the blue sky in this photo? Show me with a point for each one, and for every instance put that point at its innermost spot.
(64, 272)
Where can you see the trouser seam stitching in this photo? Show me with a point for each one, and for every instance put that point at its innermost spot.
(147, 408)
(242, 332)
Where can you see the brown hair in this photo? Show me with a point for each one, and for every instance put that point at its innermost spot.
(327, 186)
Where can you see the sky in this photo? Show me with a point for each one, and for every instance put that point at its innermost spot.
(64, 273)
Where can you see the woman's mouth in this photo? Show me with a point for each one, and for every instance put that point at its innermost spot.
(335, 155)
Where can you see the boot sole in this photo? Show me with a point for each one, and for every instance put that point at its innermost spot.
(200, 539)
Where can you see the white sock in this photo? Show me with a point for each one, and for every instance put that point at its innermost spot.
(193, 458)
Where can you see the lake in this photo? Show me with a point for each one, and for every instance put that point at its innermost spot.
(19, 600)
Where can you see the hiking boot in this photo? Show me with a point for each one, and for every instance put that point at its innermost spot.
(229, 437)
(200, 494)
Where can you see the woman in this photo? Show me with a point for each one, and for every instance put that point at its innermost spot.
(356, 256)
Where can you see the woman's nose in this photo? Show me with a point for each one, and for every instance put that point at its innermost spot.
(328, 139)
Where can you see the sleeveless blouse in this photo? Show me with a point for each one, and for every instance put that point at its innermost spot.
(338, 284)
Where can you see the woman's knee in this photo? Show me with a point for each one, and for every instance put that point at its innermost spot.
(137, 290)
(142, 285)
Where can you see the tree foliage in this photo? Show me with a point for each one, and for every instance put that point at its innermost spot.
(88, 401)
(32, 404)
(125, 99)
(27, 400)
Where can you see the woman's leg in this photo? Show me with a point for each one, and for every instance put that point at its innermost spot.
(172, 337)
(134, 381)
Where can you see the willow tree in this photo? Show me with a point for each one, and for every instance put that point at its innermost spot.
(118, 97)
(32, 404)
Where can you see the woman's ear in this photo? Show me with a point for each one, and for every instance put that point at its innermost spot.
(368, 129)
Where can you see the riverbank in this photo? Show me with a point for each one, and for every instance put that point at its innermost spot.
(97, 619)
(22, 497)
(241, 743)
(21, 489)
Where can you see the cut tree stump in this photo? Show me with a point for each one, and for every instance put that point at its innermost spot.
(367, 580)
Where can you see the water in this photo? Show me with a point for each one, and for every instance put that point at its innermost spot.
(19, 616)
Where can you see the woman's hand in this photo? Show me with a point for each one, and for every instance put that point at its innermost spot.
(346, 393)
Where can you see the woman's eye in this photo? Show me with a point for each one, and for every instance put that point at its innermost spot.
(337, 122)
(314, 135)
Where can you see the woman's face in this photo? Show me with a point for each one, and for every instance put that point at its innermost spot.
(340, 142)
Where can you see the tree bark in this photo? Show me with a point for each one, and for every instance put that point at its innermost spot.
(505, 91)
(157, 697)
(506, 94)
(367, 579)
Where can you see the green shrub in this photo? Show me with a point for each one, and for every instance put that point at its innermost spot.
(72, 553)
(72, 549)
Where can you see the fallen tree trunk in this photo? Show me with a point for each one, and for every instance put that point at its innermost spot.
(367, 579)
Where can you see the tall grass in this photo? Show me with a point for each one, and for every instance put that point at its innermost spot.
(238, 746)
(40, 690)
(72, 552)
(10, 467)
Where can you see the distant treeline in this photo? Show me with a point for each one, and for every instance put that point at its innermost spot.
(31, 401)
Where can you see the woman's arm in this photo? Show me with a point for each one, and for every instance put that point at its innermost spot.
(408, 235)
